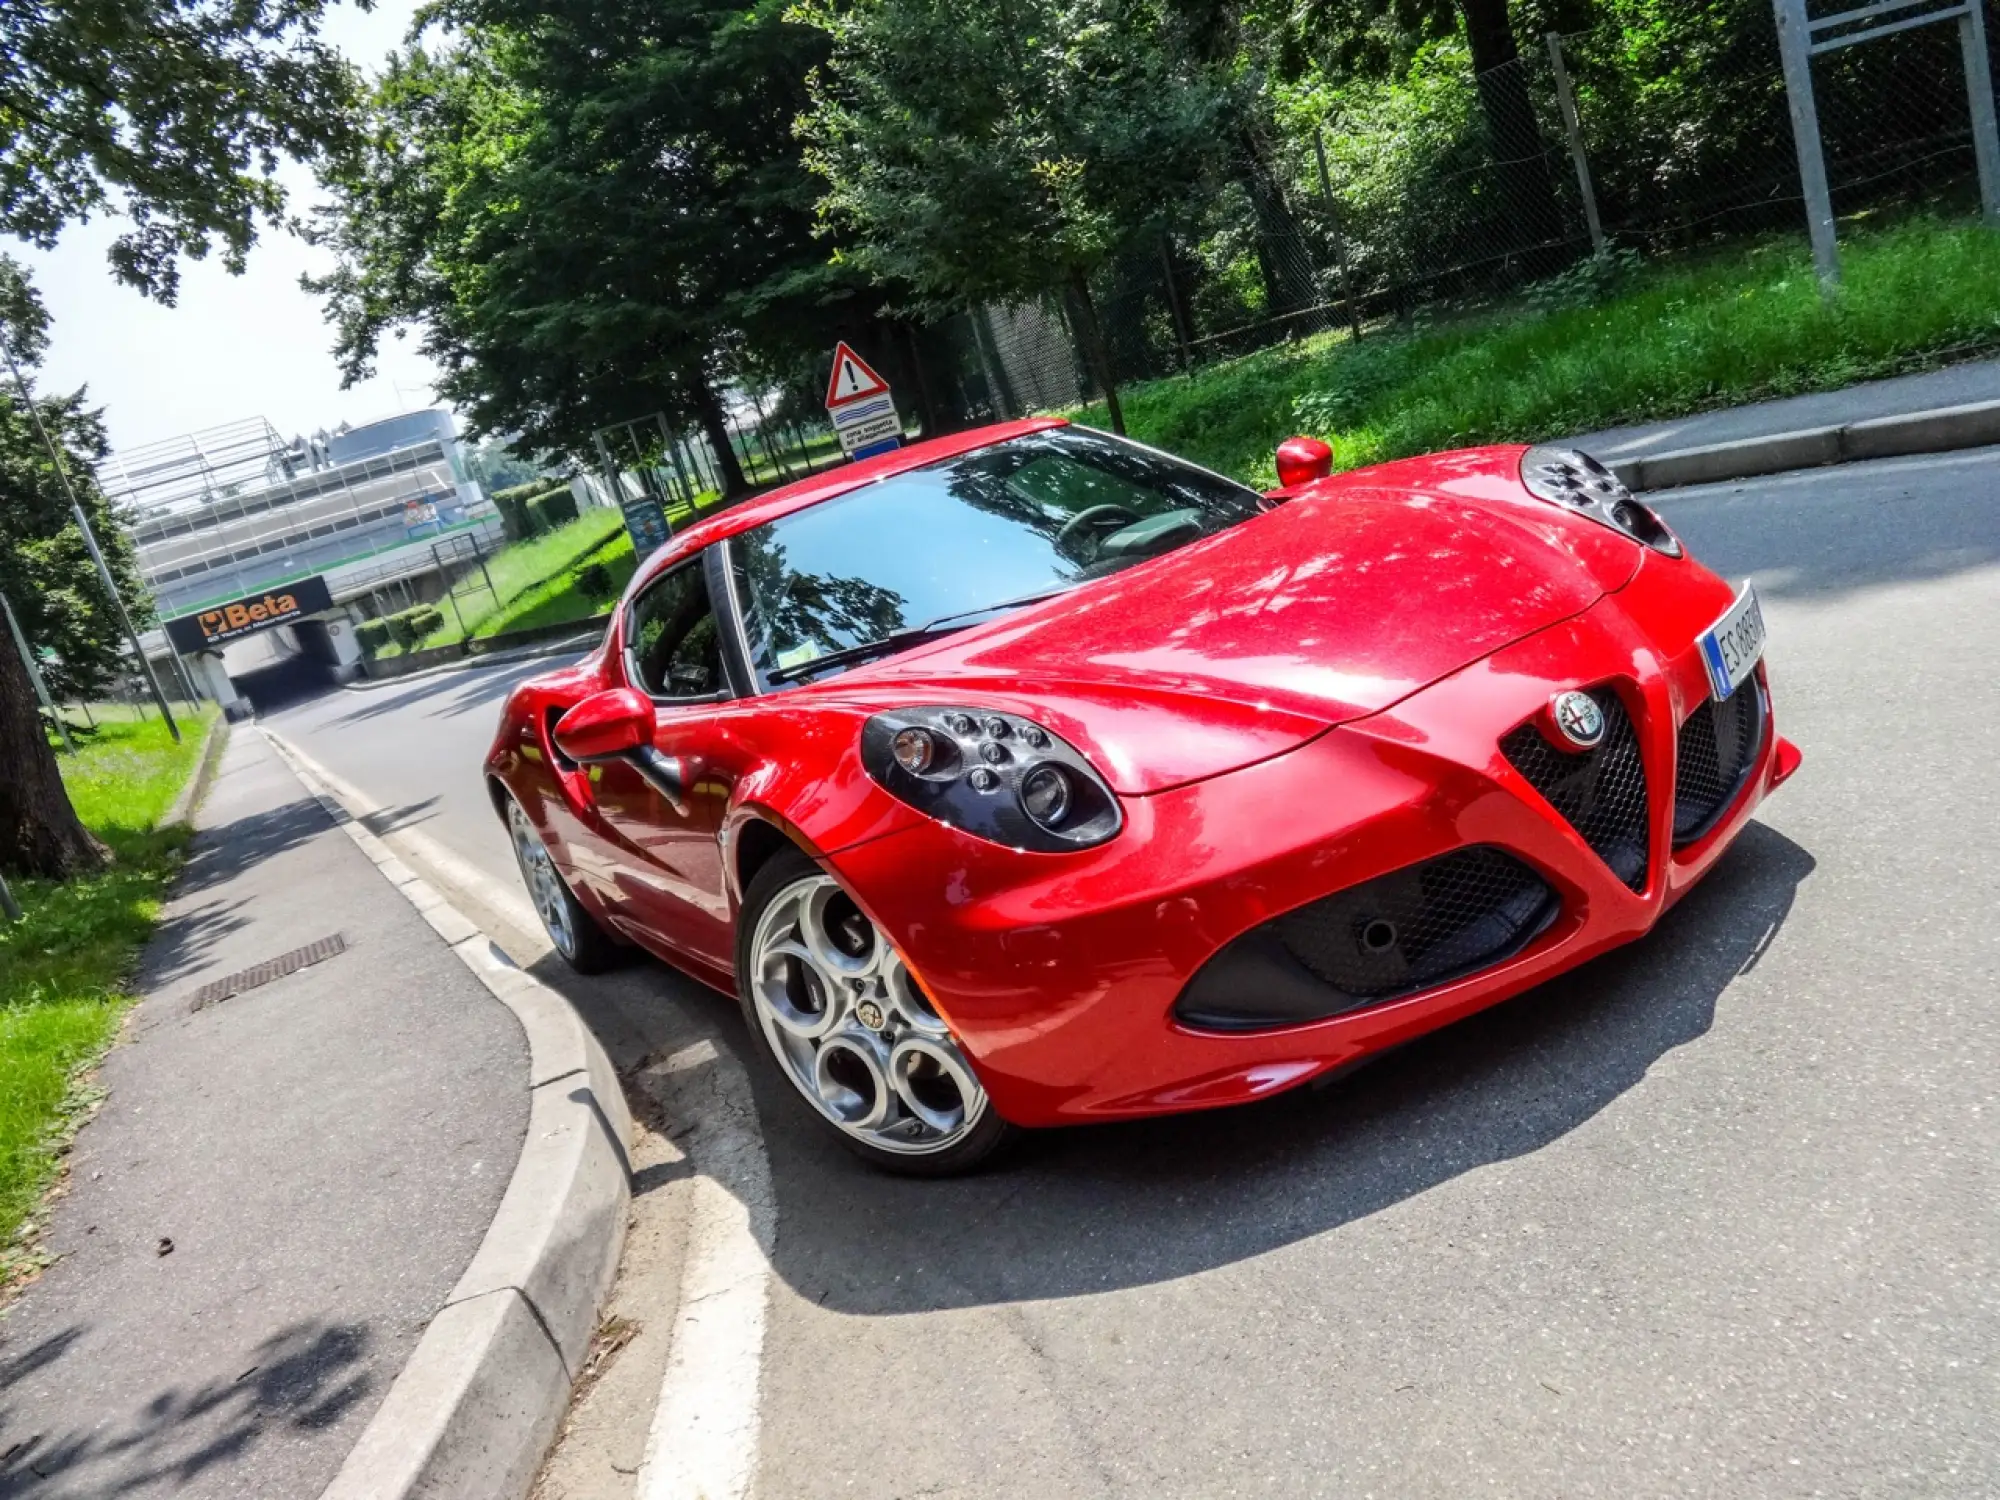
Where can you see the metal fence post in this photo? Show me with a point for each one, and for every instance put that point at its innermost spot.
(1795, 48)
(1339, 239)
(1566, 97)
(1979, 91)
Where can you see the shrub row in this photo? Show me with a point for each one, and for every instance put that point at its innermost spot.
(530, 509)
(408, 629)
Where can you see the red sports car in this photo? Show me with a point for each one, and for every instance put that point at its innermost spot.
(1030, 776)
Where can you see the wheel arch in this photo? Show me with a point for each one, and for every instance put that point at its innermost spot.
(756, 837)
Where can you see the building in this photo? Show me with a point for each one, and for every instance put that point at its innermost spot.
(235, 512)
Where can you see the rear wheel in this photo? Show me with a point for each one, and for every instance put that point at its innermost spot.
(574, 932)
(833, 1005)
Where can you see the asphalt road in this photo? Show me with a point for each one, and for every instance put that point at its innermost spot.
(1718, 1214)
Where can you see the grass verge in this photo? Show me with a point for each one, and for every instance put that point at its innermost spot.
(65, 967)
(1669, 340)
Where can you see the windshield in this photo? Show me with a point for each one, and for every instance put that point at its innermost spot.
(1003, 524)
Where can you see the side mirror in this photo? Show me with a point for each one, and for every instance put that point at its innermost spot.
(606, 725)
(1302, 460)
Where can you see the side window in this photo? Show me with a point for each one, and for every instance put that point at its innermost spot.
(671, 635)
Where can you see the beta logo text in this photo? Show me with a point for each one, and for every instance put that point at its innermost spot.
(231, 617)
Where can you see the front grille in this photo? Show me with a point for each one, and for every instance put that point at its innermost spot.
(1718, 745)
(1401, 932)
(1600, 792)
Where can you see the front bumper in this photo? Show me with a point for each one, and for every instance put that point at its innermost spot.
(1060, 973)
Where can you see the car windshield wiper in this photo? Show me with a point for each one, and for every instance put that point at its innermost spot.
(911, 635)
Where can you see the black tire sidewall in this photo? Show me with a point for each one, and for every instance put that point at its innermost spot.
(596, 950)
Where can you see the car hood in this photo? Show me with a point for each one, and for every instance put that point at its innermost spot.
(1328, 608)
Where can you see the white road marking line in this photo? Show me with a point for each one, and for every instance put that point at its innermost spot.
(702, 1444)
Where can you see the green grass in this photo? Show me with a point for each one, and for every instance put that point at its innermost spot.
(519, 569)
(559, 598)
(1677, 338)
(63, 970)
(536, 582)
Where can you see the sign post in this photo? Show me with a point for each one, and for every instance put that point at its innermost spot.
(863, 412)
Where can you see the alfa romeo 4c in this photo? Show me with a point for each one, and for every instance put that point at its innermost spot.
(1030, 776)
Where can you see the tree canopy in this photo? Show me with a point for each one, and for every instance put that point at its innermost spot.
(982, 152)
(591, 211)
(172, 112)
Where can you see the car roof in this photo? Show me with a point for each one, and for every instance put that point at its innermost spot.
(839, 480)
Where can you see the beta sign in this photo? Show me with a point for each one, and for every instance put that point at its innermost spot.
(863, 412)
(240, 617)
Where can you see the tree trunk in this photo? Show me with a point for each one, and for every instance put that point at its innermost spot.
(927, 407)
(1516, 139)
(715, 426)
(1094, 350)
(1281, 247)
(39, 832)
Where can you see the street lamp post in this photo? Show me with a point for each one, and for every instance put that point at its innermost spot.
(90, 541)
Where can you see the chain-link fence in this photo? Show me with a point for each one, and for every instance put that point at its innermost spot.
(1371, 201)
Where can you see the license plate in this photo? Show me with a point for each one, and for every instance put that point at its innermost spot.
(1733, 643)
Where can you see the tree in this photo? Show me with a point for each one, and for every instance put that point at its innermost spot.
(40, 572)
(982, 152)
(1510, 124)
(172, 112)
(592, 211)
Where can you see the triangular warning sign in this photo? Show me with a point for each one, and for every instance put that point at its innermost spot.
(852, 380)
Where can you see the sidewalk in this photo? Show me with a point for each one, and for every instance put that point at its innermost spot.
(283, 1186)
(1957, 386)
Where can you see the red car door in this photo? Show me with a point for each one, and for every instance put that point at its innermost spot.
(667, 878)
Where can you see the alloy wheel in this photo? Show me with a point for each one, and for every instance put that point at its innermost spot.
(851, 1028)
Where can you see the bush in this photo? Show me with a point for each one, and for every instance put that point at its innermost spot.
(518, 518)
(552, 508)
(412, 626)
(426, 620)
(373, 635)
(595, 580)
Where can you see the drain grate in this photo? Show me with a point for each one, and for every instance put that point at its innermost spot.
(218, 990)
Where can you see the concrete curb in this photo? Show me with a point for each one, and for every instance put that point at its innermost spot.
(477, 1405)
(1938, 430)
(183, 806)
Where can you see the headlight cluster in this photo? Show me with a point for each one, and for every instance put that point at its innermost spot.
(994, 775)
(1573, 479)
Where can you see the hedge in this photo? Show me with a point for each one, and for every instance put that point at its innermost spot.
(596, 581)
(373, 635)
(526, 509)
(552, 509)
(413, 626)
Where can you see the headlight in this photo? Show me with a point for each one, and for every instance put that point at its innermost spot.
(1574, 480)
(993, 775)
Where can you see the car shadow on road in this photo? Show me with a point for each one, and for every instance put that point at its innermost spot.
(302, 1379)
(1099, 1208)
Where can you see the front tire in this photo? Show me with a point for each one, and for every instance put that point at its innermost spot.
(572, 932)
(833, 1007)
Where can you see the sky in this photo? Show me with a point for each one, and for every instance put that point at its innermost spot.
(233, 346)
